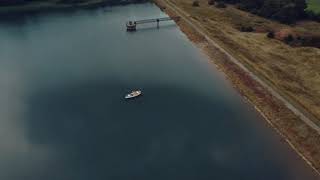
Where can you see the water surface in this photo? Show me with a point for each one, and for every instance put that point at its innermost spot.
(63, 77)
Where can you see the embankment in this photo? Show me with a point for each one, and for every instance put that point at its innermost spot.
(298, 130)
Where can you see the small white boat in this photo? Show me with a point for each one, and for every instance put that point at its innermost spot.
(133, 94)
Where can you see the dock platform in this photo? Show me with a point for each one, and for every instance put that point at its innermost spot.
(132, 25)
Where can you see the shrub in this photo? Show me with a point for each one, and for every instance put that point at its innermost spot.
(246, 29)
(288, 39)
(220, 5)
(313, 16)
(211, 2)
(270, 34)
(195, 4)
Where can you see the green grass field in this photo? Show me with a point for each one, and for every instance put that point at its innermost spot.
(314, 5)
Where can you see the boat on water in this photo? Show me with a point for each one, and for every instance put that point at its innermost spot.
(133, 94)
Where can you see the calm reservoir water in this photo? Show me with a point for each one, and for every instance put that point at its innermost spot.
(63, 115)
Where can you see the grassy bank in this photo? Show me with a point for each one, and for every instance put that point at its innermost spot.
(292, 72)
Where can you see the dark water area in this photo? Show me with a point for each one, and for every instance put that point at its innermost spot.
(63, 115)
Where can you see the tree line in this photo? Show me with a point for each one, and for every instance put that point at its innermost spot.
(286, 11)
(19, 2)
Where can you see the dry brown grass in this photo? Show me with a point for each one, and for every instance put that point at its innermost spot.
(293, 71)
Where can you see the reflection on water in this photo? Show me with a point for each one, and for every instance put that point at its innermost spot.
(63, 116)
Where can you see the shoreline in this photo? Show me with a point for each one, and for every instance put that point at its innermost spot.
(49, 7)
(25, 9)
(283, 120)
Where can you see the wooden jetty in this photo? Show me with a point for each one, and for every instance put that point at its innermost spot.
(132, 25)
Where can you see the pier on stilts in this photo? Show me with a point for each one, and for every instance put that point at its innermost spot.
(132, 25)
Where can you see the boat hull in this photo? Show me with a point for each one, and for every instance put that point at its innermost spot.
(134, 94)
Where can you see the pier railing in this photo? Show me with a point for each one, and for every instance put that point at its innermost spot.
(132, 25)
